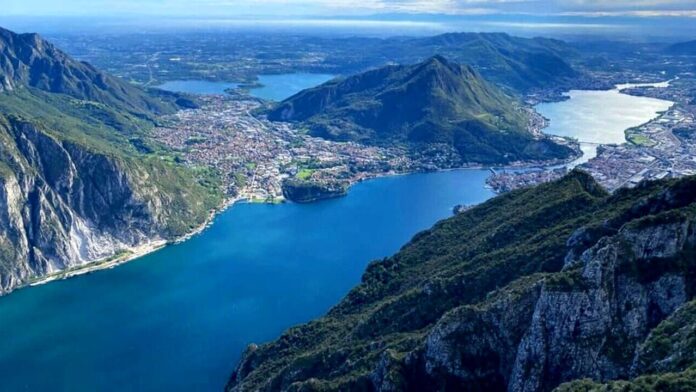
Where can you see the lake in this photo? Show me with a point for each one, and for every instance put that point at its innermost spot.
(599, 117)
(273, 87)
(279, 87)
(202, 87)
(179, 318)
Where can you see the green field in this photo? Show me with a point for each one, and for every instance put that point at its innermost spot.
(305, 174)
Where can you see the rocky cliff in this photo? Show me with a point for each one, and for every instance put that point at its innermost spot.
(300, 191)
(62, 205)
(80, 178)
(559, 286)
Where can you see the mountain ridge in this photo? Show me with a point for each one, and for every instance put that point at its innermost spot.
(80, 179)
(687, 48)
(434, 102)
(27, 60)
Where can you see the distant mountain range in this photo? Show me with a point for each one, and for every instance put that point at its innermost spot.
(515, 64)
(539, 289)
(518, 63)
(683, 48)
(434, 102)
(28, 60)
(80, 180)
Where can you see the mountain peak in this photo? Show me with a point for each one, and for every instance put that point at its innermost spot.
(437, 59)
(27, 60)
(440, 65)
(434, 102)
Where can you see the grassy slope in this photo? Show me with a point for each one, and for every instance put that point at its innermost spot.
(189, 193)
(433, 102)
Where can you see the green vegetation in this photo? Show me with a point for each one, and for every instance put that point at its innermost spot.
(671, 347)
(666, 382)
(77, 143)
(302, 191)
(304, 174)
(435, 102)
(111, 132)
(34, 62)
(496, 254)
(640, 140)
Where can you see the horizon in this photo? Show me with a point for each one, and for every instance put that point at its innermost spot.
(570, 19)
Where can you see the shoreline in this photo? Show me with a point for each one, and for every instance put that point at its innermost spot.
(136, 252)
(154, 245)
(128, 255)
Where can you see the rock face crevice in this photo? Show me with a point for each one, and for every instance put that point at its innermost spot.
(595, 332)
(63, 206)
(511, 296)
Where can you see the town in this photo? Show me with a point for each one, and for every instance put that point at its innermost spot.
(662, 148)
(255, 156)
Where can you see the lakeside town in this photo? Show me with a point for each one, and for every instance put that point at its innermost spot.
(256, 156)
(259, 159)
(662, 148)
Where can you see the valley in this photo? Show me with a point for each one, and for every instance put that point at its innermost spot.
(263, 212)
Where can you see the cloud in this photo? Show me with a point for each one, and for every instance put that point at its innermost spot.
(280, 8)
(634, 13)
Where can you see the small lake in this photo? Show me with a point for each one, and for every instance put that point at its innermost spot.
(178, 319)
(599, 117)
(279, 87)
(199, 87)
(273, 87)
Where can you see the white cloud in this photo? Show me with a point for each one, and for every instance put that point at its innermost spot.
(635, 13)
(328, 8)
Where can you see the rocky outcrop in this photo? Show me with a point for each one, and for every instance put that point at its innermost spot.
(62, 205)
(76, 183)
(618, 306)
(300, 191)
(593, 327)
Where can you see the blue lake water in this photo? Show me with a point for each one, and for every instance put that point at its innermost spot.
(279, 87)
(197, 86)
(179, 318)
(274, 87)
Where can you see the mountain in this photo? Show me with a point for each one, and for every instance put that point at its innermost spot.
(519, 63)
(434, 102)
(683, 48)
(545, 287)
(515, 63)
(81, 181)
(28, 60)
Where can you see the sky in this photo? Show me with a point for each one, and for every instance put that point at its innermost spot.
(237, 8)
(656, 17)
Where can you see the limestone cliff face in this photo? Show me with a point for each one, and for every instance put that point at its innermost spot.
(63, 206)
(594, 329)
(72, 187)
(618, 306)
(590, 321)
